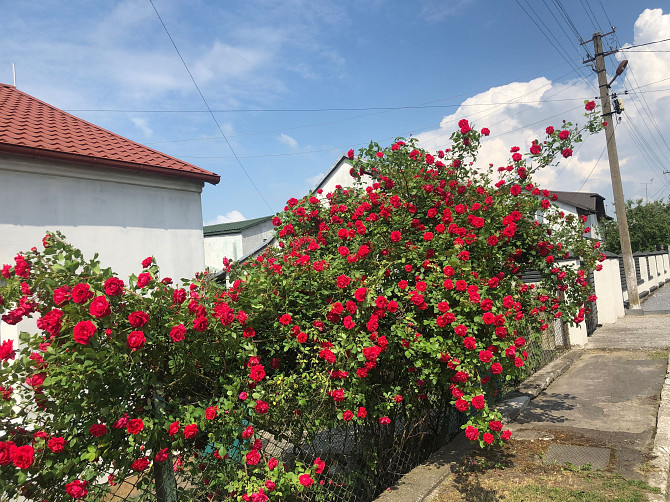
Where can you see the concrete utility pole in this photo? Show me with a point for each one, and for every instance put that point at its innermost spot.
(615, 173)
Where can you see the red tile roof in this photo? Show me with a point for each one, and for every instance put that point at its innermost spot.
(29, 126)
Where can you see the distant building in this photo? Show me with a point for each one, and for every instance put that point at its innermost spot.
(235, 240)
(587, 204)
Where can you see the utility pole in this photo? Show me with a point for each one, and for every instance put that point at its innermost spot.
(646, 187)
(615, 173)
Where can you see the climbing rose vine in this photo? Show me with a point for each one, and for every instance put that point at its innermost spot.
(380, 303)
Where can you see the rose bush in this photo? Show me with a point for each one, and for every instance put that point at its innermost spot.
(381, 303)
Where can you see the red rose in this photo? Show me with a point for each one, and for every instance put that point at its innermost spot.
(478, 402)
(362, 412)
(138, 319)
(99, 307)
(210, 413)
(6, 448)
(143, 279)
(262, 407)
(135, 425)
(285, 319)
(564, 134)
(81, 293)
(200, 323)
(57, 444)
(98, 430)
(506, 435)
(190, 431)
(178, 333)
(147, 262)
(257, 373)
(83, 331)
(272, 463)
(462, 405)
(343, 281)
(495, 425)
(306, 480)
(549, 130)
(590, 105)
(7, 350)
(350, 154)
(77, 489)
(140, 464)
(114, 286)
(395, 236)
(179, 296)
(347, 415)
(472, 433)
(135, 340)
(384, 420)
(23, 456)
(496, 368)
(567, 152)
(270, 485)
(61, 295)
(337, 395)
(161, 456)
(485, 131)
(173, 428)
(253, 457)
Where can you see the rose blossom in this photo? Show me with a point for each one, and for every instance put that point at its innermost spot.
(190, 431)
(135, 425)
(177, 333)
(135, 340)
(306, 480)
(140, 464)
(99, 307)
(57, 444)
(77, 489)
(23, 456)
(138, 319)
(114, 286)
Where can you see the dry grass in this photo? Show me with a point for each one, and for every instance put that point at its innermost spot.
(516, 473)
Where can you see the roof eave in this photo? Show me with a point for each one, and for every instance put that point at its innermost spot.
(115, 164)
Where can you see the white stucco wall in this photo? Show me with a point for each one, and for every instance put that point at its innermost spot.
(608, 290)
(253, 237)
(218, 246)
(124, 216)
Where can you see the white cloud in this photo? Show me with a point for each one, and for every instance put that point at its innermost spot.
(229, 217)
(526, 108)
(288, 140)
(143, 125)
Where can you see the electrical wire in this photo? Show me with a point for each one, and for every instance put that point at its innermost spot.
(207, 105)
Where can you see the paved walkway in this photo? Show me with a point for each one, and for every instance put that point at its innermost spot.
(658, 302)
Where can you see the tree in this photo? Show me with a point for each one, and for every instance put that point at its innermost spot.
(648, 224)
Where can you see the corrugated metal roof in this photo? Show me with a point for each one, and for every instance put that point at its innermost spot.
(32, 127)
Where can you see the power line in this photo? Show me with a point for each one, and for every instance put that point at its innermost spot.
(207, 105)
(648, 43)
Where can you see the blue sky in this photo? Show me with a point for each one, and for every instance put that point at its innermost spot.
(483, 60)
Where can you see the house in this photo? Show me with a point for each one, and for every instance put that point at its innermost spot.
(235, 240)
(253, 236)
(587, 204)
(106, 193)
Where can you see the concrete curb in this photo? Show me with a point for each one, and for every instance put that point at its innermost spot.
(422, 482)
(660, 463)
